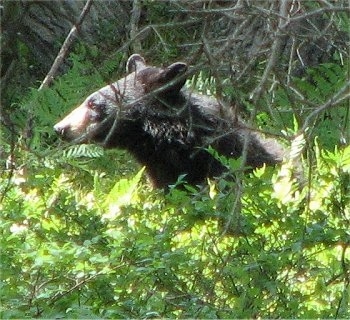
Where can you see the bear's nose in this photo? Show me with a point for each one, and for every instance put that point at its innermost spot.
(59, 129)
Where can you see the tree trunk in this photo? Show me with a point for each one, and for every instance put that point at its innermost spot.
(36, 30)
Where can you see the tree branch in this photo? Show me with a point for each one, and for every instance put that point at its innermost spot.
(332, 102)
(315, 13)
(65, 47)
(275, 52)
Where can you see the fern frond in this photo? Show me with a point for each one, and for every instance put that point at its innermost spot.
(83, 151)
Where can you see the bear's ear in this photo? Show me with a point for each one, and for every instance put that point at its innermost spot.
(135, 62)
(171, 79)
(169, 74)
(174, 70)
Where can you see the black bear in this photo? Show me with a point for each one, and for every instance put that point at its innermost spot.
(166, 127)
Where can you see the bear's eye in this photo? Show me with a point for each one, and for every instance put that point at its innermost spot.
(91, 105)
(96, 105)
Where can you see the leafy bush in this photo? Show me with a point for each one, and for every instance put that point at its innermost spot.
(79, 251)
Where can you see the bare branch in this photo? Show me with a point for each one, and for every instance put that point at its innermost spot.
(65, 47)
(339, 97)
(316, 12)
(275, 52)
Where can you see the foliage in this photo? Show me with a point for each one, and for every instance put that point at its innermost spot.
(77, 251)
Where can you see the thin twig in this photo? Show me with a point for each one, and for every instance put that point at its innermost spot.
(64, 49)
(275, 52)
(79, 284)
(315, 13)
(339, 97)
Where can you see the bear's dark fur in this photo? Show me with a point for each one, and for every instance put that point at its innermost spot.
(164, 126)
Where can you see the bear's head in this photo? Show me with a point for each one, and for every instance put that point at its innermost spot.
(121, 101)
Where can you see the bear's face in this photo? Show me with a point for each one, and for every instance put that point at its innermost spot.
(121, 100)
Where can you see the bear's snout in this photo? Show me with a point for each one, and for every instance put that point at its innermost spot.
(65, 131)
(75, 124)
(61, 130)
(58, 129)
